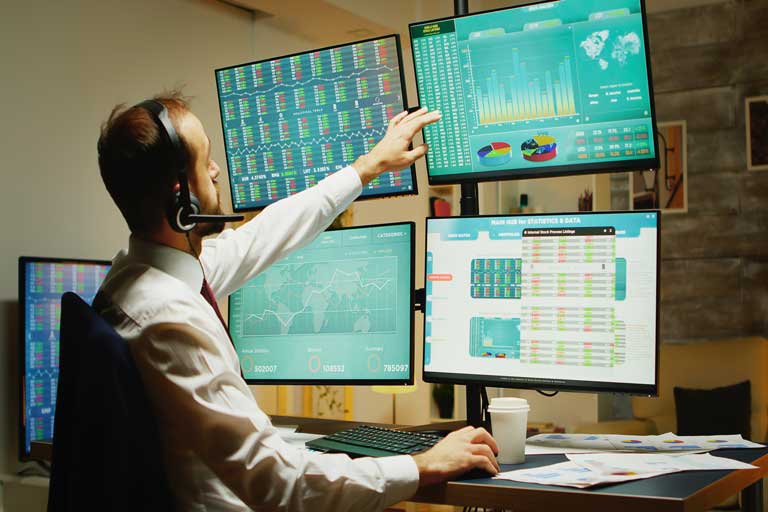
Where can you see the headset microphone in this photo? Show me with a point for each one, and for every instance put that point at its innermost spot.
(184, 214)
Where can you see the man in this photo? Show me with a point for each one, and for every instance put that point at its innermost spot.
(221, 450)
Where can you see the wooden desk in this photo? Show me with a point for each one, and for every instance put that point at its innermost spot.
(323, 426)
(679, 492)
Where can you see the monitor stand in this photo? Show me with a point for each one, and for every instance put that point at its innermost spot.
(475, 409)
(469, 207)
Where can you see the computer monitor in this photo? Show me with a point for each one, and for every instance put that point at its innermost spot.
(564, 301)
(544, 89)
(42, 282)
(291, 121)
(339, 311)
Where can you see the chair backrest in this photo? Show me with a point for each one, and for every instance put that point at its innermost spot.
(107, 452)
(709, 365)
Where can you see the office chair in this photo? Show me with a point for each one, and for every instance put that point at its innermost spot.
(107, 453)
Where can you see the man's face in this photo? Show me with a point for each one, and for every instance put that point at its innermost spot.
(203, 172)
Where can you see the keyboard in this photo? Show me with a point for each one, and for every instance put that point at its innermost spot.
(367, 441)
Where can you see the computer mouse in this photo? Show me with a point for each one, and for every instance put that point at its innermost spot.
(475, 474)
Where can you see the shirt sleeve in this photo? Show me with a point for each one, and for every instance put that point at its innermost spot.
(211, 412)
(238, 255)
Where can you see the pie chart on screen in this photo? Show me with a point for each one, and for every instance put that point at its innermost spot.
(540, 148)
(494, 154)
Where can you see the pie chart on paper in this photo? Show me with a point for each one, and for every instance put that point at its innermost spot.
(494, 154)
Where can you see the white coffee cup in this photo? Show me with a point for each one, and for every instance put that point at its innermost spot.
(509, 420)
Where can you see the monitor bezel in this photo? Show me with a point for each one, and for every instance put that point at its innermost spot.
(412, 167)
(411, 316)
(555, 170)
(39, 449)
(552, 384)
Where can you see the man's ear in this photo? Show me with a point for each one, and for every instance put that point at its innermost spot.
(176, 188)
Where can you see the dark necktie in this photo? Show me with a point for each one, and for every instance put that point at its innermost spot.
(208, 295)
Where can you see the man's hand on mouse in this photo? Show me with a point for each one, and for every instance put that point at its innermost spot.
(460, 451)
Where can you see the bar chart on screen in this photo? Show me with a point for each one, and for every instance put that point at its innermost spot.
(520, 94)
(519, 77)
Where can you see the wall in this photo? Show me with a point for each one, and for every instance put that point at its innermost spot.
(705, 61)
(559, 194)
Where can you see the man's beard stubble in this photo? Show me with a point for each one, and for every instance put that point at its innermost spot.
(211, 228)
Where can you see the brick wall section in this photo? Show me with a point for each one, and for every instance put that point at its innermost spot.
(714, 269)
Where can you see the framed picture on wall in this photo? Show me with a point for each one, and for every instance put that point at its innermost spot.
(756, 109)
(667, 188)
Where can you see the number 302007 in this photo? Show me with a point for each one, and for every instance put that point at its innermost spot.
(265, 368)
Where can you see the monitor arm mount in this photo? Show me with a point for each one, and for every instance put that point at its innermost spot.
(476, 396)
(420, 299)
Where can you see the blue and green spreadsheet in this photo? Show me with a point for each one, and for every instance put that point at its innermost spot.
(338, 309)
(536, 90)
(289, 122)
(564, 297)
(44, 284)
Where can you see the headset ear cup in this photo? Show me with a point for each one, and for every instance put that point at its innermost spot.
(178, 212)
(194, 203)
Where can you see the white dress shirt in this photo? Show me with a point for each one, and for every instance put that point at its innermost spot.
(221, 451)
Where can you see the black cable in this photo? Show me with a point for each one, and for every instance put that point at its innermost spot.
(678, 183)
(192, 247)
(547, 394)
(666, 146)
(667, 150)
(655, 172)
(484, 403)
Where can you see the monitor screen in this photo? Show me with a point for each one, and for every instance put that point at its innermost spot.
(554, 88)
(42, 282)
(562, 301)
(339, 310)
(291, 121)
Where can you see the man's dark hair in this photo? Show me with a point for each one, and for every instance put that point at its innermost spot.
(137, 163)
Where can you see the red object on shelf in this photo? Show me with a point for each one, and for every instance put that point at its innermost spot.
(440, 207)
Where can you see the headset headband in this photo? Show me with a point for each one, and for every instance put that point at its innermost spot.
(184, 214)
(160, 114)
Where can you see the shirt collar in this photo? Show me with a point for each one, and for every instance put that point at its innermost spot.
(179, 264)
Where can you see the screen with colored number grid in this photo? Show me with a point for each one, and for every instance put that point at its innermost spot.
(560, 301)
(551, 88)
(42, 282)
(291, 121)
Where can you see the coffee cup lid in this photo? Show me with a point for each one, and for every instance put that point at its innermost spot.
(508, 403)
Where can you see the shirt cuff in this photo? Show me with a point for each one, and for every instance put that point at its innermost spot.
(344, 186)
(402, 477)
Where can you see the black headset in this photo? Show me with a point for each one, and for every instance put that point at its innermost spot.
(184, 212)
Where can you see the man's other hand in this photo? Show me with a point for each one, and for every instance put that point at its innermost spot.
(393, 152)
(459, 452)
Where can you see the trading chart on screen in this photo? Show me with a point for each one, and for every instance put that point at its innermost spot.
(536, 90)
(291, 121)
(44, 285)
(338, 309)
